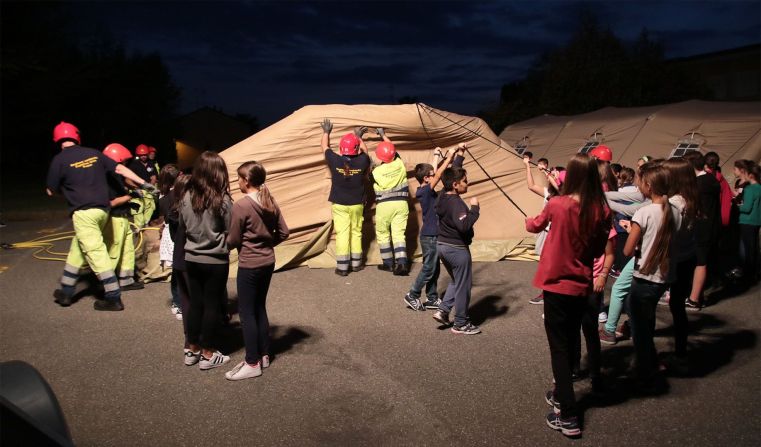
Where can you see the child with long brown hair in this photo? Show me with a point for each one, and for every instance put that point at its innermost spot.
(581, 224)
(256, 227)
(205, 217)
(650, 233)
(683, 192)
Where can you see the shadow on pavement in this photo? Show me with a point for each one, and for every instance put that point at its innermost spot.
(487, 307)
(707, 354)
(282, 338)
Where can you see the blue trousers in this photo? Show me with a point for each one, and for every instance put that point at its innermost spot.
(429, 274)
(459, 265)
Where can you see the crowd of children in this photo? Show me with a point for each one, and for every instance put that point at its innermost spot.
(655, 229)
(657, 232)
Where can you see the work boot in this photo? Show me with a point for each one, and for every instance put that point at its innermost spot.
(61, 298)
(402, 269)
(386, 267)
(340, 272)
(137, 285)
(108, 305)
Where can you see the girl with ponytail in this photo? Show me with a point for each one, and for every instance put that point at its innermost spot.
(257, 226)
(650, 233)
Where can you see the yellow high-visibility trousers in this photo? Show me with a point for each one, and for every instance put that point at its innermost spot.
(347, 221)
(121, 249)
(89, 249)
(390, 226)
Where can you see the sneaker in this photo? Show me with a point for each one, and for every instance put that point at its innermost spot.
(108, 305)
(217, 359)
(342, 272)
(441, 317)
(624, 330)
(178, 315)
(692, 305)
(191, 358)
(549, 397)
(175, 309)
(664, 299)
(265, 361)
(137, 285)
(413, 303)
(607, 338)
(244, 371)
(386, 268)
(568, 426)
(61, 298)
(466, 329)
(539, 299)
(602, 317)
(432, 304)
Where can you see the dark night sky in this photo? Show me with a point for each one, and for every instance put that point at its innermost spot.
(270, 58)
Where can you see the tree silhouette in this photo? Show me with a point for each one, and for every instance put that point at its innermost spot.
(594, 70)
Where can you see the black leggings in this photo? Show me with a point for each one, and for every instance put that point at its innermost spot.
(562, 322)
(253, 285)
(207, 284)
(749, 239)
(590, 327)
(680, 291)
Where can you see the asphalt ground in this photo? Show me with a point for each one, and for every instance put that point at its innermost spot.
(353, 366)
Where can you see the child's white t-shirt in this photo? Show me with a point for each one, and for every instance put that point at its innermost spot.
(649, 219)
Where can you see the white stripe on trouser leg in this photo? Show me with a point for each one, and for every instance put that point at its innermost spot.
(109, 280)
(356, 260)
(386, 251)
(400, 251)
(342, 262)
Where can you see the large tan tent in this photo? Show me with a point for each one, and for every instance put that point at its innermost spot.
(300, 182)
(731, 129)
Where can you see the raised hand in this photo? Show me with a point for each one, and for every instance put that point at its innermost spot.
(326, 125)
(359, 131)
(474, 201)
(381, 132)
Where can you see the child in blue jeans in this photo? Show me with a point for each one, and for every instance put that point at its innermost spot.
(426, 195)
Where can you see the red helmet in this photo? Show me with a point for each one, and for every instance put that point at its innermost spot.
(65, 131)
(117, 152)
(385, 151)
(151, 150)
(141, 149)
(602, 152)
(349, 144)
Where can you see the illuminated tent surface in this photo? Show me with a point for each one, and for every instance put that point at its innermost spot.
(298, 177)
(731, 129)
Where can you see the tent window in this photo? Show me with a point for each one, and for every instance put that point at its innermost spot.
(521, 146)
(588, 147)
(692, 143)
(594, 140)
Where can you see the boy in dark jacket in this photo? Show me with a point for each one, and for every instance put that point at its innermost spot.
(456, 222)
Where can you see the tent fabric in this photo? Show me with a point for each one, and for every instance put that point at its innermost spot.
(731, 129)
(298, 177)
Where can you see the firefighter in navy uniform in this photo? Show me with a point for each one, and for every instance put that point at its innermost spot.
(118, 236)
(348, 173)
(147, 171)
(79, 173)
(152, 160)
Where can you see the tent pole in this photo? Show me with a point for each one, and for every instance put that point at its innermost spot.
(471, 154)
(741, 147)
(647, 120)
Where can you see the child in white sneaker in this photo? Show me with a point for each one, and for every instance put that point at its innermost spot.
(256, 227)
